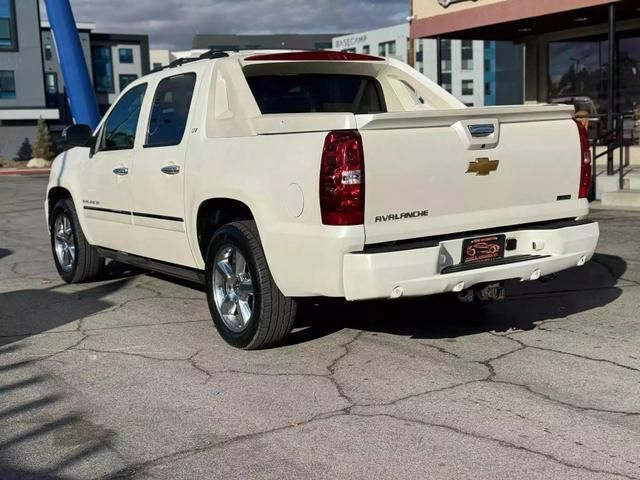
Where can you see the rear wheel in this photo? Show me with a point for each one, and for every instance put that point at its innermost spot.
(76, 260)
(248, 309)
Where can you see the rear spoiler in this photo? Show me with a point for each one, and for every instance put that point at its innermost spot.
(275, 124)
(447, 117)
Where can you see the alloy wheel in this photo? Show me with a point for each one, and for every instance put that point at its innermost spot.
(233, 290)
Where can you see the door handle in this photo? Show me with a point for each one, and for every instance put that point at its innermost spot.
(121, 171)
(170, 169)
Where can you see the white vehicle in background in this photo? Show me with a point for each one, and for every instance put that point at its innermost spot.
(271, 177)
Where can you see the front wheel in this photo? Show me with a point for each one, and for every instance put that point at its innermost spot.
(76, 260)
(248, 309)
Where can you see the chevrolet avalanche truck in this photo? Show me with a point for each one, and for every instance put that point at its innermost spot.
(274, 176)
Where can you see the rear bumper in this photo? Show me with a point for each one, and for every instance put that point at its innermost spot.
(416, 272)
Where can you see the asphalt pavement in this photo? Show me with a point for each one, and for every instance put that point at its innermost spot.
(127, 378)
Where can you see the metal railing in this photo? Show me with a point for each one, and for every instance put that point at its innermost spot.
(616, 139)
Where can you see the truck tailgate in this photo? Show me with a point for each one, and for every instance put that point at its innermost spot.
(451, 171)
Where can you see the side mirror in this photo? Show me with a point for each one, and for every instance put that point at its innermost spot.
(78, 136)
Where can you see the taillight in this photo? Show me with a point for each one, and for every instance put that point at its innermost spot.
(585, 162)
(342, 179)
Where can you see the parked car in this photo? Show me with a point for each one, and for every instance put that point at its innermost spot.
(272, 177)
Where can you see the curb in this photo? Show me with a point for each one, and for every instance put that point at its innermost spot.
(596, 206)
(24, 171)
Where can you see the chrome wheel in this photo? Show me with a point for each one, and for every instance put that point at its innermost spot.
(64, 242)
(233, 291)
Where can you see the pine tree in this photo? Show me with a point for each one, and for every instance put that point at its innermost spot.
(42, 147)
(25, 151)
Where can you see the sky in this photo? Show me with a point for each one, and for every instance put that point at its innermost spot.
(173, 23)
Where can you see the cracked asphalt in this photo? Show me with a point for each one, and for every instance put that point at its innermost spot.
(127, 378)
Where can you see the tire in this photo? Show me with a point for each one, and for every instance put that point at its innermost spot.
(81, 262)
(235, 266)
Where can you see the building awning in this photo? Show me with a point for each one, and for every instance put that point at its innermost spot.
(514, 19)
(29, 113)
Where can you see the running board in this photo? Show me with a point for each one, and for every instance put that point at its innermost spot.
(179, 271)
(491, 263)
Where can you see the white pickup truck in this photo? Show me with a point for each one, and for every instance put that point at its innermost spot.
(270, 177)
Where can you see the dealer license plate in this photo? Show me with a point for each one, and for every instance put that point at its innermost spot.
(483, 249)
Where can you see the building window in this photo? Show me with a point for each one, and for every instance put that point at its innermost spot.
(7, 85)
(48, 51)
(126, 80)
(126, 55)
(8, 38)
(170, 111)
(445, 56)
(467, 54)
(445, 80)
(349, 50)
(51, 81)
(102, 69)
(157, 66)
(366, 49)
(467, 87)
(387, 49)
(487, 88)
(487, 65)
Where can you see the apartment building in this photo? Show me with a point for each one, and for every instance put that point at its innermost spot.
(459, 66)
(117, 60)
(114, 61)
(313, 41)
(53, 80)
(22, 92)
(31, 82)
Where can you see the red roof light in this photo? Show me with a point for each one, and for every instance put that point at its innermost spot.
(314, 56)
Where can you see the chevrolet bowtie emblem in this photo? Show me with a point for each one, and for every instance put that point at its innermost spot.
(483, 166)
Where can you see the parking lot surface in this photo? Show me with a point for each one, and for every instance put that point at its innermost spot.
(127, 378)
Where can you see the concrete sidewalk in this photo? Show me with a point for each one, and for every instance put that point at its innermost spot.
(24, 171)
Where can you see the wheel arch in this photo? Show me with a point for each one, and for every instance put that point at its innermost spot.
(215, 212)
(53, 196)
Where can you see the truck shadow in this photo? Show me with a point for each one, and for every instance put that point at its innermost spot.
(442, 316)
(36, 415)
(32, 311)
(4, 252)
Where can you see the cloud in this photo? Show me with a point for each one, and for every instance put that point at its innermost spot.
(173, 23)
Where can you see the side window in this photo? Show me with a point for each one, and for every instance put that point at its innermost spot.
(170, 110)
(119, 130)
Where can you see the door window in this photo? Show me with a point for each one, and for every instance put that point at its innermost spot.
(120, 127)
(170, 110)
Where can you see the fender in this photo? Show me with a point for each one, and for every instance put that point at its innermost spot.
(64, 173)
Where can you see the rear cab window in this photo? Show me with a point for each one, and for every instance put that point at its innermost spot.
(317, 92)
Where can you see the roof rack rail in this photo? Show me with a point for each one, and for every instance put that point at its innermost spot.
(214, 54)
(211, 54)
(181, 61)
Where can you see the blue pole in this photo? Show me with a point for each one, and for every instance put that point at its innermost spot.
(82, 99)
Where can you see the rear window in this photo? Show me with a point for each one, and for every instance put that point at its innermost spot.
(306, 93)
